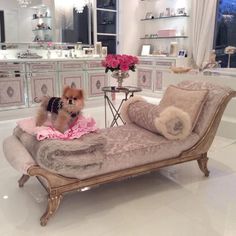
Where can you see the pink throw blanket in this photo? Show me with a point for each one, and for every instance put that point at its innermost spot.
(80, 127)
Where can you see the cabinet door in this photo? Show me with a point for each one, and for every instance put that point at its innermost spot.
(42, 85)
(12, 92)
(145, 78)
(72, 79)
(158, 81)
(96, 80)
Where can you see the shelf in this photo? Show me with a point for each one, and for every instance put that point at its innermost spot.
(41, 30)
(44, 17)
(164, 17)
(172, 37)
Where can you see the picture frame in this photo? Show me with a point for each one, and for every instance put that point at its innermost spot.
(104, 51)
(182, 53)
(98, 48)
(181, 11)
(167, 12)
(149, 15)
(88, 51)
(146, 50)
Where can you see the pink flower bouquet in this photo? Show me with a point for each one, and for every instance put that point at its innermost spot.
(120, 62)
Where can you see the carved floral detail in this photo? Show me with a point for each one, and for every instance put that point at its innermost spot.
(98, 84)
(44, 89)
(10, 91)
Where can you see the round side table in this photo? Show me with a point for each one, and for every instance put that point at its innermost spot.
(128, 92)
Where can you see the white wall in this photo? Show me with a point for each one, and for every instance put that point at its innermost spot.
(11, 19)
(129, 27)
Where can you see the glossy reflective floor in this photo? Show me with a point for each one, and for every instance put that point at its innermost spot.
(175, 201)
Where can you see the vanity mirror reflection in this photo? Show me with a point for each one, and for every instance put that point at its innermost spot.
(45, 21)
(73, 21)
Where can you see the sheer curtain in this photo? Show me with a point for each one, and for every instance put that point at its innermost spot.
(203, 23)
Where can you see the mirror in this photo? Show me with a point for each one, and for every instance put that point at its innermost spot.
(2, 27)
(45, 21)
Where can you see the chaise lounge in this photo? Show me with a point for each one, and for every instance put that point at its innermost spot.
(117, 153)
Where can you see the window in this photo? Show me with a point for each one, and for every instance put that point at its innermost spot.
(106, 27)
(81, 31)
(225, 30)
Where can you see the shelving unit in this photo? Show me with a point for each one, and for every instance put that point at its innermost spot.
(41, 30)
(165, 26)
(42, 24)
(165, 17)
(172, 37)
(45, 17)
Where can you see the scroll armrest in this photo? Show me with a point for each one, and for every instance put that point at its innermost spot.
(17, 155)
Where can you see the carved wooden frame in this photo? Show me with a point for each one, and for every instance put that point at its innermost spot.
(56, 185)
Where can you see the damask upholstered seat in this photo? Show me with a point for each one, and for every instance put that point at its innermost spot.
(114, 153)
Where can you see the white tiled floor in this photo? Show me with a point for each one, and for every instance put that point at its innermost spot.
(175, 201)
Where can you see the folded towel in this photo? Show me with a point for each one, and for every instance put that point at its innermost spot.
(66, 157)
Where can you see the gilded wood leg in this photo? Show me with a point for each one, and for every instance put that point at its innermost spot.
(202, 163)
(53, 204)
(23, 180)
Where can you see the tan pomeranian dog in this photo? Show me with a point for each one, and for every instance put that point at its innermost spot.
(64, 110)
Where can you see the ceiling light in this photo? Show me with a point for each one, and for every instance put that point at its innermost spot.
(24, 3)
(80, 4)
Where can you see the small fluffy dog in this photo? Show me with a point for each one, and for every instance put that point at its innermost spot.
(63, 110)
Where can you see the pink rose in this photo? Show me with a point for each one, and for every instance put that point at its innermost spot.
(124, 67)
(114, 63)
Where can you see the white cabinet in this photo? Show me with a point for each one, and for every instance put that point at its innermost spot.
(151, 72)
(21, 82)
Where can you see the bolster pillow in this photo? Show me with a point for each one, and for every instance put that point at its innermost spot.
(172, 122)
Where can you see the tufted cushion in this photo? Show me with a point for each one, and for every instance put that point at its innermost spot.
(190, 101)
(214, 98)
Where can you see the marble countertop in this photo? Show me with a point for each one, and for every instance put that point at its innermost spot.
(220, 71)
(51, 59)
(160, 57)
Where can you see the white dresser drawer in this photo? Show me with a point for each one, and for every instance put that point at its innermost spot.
(42, 66)
(11, 67)
(71, 65)
(94, 64)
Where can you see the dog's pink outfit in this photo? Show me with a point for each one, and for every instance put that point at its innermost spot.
(81, 126)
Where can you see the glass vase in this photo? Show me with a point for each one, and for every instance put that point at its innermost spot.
(120, 76)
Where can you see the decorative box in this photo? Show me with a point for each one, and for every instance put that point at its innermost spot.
(167, 33)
